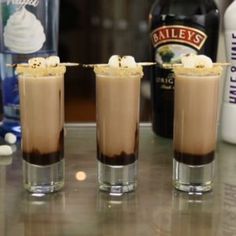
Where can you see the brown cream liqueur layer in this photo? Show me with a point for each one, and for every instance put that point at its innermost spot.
(196, 105)
(42, 113)
(117, 102)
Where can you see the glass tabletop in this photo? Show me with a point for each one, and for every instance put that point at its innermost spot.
(155, 208)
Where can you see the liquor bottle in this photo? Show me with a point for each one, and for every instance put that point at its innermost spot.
(177, 27)
(228, 124)
(28, 28)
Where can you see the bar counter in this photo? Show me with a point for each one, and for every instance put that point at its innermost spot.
(155, 208)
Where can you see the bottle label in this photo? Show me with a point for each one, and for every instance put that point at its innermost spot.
(177, 33)
(24, 24)
(170, 43)
(22, 30)
(230, 86)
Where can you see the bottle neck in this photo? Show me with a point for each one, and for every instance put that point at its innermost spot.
(183, 7)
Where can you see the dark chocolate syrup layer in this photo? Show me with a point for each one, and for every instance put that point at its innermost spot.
(193, 159)
(42, 159)
(118, 160)
(35, 157)
(122, 158)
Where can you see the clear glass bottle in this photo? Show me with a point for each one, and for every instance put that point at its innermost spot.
(28, 29)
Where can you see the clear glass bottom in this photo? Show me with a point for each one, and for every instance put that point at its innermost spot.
(117, 179)
(193, 179)
(43, 179)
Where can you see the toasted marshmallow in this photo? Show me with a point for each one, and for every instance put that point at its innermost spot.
(37, 62)
(124, 62)
(196, 61)
(52, 61)
(188, 60)
(203, 61)
(114, 61)
(128, 62)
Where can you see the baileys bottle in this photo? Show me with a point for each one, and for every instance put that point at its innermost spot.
(177, 27)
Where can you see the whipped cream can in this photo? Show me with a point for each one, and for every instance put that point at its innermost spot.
(228, 120)
(29, 28)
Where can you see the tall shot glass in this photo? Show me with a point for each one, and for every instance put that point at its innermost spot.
(117, 114)
(42, 121)
(195, 127)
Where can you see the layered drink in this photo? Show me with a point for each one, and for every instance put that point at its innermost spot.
(42, 121)
(117, 108)
(195, 122)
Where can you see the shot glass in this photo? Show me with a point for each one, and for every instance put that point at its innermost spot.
(117, 115)
(42, 121)
(195, 127)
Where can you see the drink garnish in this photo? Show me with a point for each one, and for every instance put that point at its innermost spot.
(41, 62)
(138, 63)
(166, 65)
(197, 65)
(40, 66)
(117, 61)
(195, 61)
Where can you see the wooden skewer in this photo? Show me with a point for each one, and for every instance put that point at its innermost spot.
(94, 65)
(139, 63)
(14, 65)
(68, 64)
(60, 64)
(146, 63)
(84, 65)
(176, 65)
(170, 65)
(221, 64)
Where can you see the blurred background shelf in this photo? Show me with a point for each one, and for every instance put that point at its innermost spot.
(90, 32)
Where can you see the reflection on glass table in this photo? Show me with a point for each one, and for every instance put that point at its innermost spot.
(155, 208)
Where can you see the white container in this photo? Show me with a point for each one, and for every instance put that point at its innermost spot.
(228, 122)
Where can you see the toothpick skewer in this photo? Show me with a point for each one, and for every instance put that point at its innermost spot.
(101, 65)
(176, 65)
(68, 64)
(60, 64)
(94, 65)
(221, 64)
(14, 65)
(146, 63)
(84, 65)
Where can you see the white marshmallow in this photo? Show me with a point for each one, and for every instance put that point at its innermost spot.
(203, 61)
(37, 62)
(13, 148)
(194, 61)
(128, 61)
(5, 150)
(6, 160)
(114, 61)
(188, 60)
(10, 138)
(52, 61)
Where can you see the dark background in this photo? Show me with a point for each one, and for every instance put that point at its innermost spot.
(90, 32)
